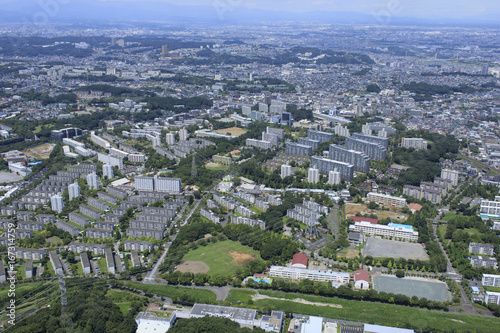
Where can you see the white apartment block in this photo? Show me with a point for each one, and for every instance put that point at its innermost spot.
(313, 176)
(107, 171)
(286, 170)
(73, 191)
(336, 278)
(334, 177)
(492, 298)
(99, 141)
(490, 280)
(416, 143)
(386, 200)
(490, 207)
(452, 175)
(393, 231)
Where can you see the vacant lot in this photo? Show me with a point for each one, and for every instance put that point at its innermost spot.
(7, 177)
(353, 209)
(222, 257)
(385, 248)
(421, 320)
(41, 152)
(235, 131)
(431, 289)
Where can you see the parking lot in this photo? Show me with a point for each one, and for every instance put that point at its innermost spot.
(385, 248)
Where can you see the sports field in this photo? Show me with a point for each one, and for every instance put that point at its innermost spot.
(431, 289)
(235, 131)
(386, 248)
(222, 258)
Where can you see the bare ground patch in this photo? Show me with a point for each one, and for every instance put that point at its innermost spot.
(257, 297)
(351, 254)
(41, 152)
(241, 258)
(194, 267)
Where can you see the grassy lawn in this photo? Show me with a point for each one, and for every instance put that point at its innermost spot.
(123, 299)
(79, 269)
(21, 274)
(216, 256)
(201, 295)
(103, 267)
(448, 216)
(20, 289)
(54, 240)
(494, 289)
(256, 210)
(473, 231)
(373, 313)
(216, 168)
(442, 229)
(76, 225)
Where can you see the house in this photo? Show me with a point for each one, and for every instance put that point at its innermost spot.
(414, 207)
(361, 279)
(300, 260)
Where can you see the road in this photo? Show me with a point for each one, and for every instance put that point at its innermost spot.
(152, 275)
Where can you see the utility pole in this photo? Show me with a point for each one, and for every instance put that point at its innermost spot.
(66, 322)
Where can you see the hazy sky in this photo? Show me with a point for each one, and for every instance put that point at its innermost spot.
(419, 8)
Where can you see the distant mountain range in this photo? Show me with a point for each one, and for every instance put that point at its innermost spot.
(127, 11)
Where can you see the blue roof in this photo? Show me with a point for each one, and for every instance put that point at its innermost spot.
(475, 289)
(406, 226)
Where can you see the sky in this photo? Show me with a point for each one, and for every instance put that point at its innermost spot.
(411, 8)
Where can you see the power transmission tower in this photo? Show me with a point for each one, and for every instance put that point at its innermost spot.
(194, 171)
(66, 322)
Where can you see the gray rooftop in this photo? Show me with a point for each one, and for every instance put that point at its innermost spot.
(223, 311)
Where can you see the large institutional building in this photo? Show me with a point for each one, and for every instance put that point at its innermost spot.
(393, 230)
(336, 278)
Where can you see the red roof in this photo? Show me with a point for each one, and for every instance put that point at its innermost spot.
(300, 258)
(364, 219)
(361, 275)
(234, 152)
(415, 206)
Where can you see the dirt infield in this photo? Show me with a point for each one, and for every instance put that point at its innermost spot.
(235, 131)
(41, 152)
(241, 258)
(194, 267)
(258, 297)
